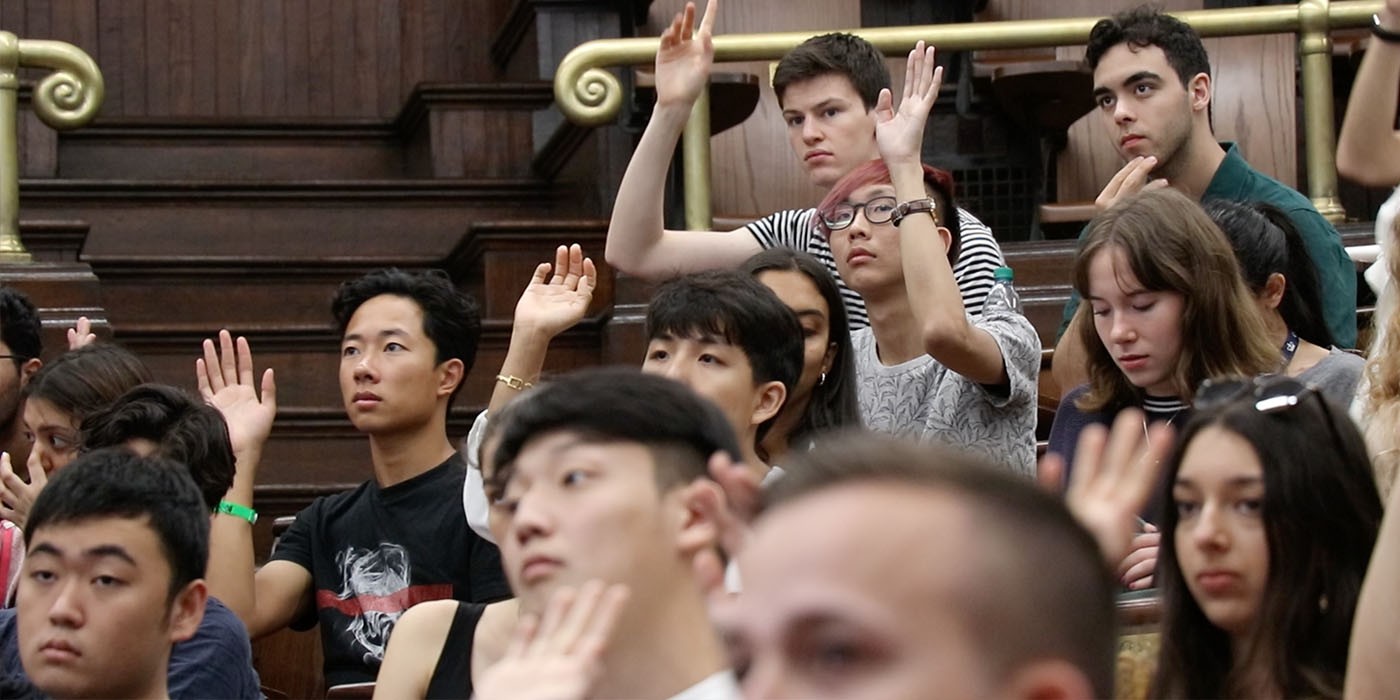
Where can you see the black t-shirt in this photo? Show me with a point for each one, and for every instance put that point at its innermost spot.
(374, 552)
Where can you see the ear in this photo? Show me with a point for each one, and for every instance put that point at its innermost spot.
(1200, 90)
(947, 238)
(452, 374)
(28, 369)
(1274, 288)
(768, 400)
(829, 358)
(700, 500)
(187, 610)
(1048, 679)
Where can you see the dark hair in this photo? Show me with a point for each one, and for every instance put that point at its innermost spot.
(451, 318)
(1170, 245)
(734, 307)
(88, 379)
(1145, 26)
(1266, 242)
(1321, 514)
(183, 429)
(833, 404)
(616, 404)
(19, 325)
(1043, 590)
(837, 53)
(115, 483)
(937, 181)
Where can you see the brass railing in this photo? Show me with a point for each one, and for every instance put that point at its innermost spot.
(588, 94)
(67, 98)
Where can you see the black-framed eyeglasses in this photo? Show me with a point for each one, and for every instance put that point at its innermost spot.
(1271, 393)
(879, 210)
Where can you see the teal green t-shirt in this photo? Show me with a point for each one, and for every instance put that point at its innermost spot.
(1236, 181)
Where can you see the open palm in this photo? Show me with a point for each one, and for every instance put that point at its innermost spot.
(899, 133)
(554, 303)
(683, 61)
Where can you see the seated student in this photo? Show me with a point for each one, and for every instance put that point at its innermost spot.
(584, 495)
(827, 89)
(56, 400)
(1167, 309)
(155, 420)
(117, 548)
(1280, 274)
(824, 397)
(1027, 611)
(722, 333)
(924, 367)
(1270, 520)
(354, 562)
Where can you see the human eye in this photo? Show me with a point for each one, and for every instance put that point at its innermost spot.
(62, 443)
(1144, 303)
(883, 206)
(1105, 101)
(833, 656)
(1250, 506)
(810, 331)
(349, 351)
(1142, 89)
(42, 576)
(657, 355)
(1098, 310)
(794, 120)
(29, 437)
(107, 581)
(393, 347)
(1186, 508)
(708, 358)
(831, 112)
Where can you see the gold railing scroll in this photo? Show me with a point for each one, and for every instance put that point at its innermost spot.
(66, 98)
(589, 95)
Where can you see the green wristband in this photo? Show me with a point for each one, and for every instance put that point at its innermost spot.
(238, 511)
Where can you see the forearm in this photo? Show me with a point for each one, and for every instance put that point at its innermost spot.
(1069, 365)
(934, 297)
(1371, 671)
(230, 571)
(637, 228)
(1368, 148)
(524, 360)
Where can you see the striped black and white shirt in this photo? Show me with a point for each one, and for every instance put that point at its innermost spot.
(978, 258)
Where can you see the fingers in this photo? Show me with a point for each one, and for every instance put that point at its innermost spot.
(911, 73)
(525, 630)
(590, 276)
(884, 106)
(228, 360)
(1050, 473)
(688, 21)
(208, 369)
(561, 264)
(707, 23)
(541, 274)
(740, 487)
(601, 624)
(573, 266)
(245, 362)
(1088, 459)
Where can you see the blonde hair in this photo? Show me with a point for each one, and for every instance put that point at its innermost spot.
(1172, 246)
(1380, 395)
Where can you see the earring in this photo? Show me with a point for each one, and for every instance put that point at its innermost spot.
(822, 380)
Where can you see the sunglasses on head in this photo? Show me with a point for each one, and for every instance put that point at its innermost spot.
(1270, 393)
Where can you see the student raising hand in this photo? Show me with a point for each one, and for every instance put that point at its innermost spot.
(899, 133)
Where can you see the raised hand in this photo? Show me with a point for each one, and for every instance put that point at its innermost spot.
(225, 377)
(16, 495)
(557, 656)
(683, 61)
(899, 133)
(1131, 179)
(1114, 474)
(552, 304)
(81, 334)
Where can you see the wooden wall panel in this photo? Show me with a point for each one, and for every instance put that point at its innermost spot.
(267, 59)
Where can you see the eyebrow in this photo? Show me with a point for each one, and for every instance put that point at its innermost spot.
(828, 102)
(702, 338)
(101, 551)
(1138, 77)
(1233, 482)
(386, 333)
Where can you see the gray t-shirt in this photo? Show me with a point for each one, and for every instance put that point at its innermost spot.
(924, 399)
(1335, 376)
(978, 257)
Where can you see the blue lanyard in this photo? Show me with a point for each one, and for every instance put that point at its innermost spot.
(1290, 346)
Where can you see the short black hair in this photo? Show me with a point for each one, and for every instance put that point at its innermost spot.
(732, 306)
(451, 318)
(1046, 590)
(87, 379)
(837, 53)
(1265, 242)
(1145, 26)
(617, 404)
(20, 327)
(115, 483)
(184, 430)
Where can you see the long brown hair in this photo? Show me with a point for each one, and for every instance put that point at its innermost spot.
(1172, 246)
(1381, 400)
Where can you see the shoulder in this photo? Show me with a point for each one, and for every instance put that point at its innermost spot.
(425, 625)
(788, 228)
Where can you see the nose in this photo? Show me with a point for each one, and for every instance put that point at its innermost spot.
(1122, 330)
(1122, 114)
(1208, 532)
(766, 679)
(531, 518)
(676, 370)
(67, 609)
(364, 369)
(860, 226)
(811, 132)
